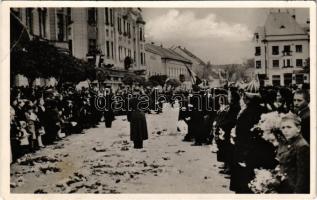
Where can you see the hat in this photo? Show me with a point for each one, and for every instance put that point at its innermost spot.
(252, 89)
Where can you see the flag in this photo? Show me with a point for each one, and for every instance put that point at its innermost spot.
(195, 79)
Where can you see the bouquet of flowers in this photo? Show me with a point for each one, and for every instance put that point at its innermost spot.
(269, 127)
(266, 181)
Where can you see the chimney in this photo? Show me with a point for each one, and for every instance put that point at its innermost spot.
(294, 16)
(308, 21)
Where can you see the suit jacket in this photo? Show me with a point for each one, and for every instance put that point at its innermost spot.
(293, 157)
(304, 114)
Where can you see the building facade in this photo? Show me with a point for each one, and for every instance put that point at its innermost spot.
(281, 50)
(111, 38)
(163, 61)
(197, 64)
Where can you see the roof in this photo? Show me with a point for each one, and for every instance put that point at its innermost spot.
(190, 54)
(166, 53)
(282, 23)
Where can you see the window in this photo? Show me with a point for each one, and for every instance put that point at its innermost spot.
(68, 16)
(287, 63)
(141, 58)
(287, 79)
(111, 16)
(92, 46)
(275, 50)
(107, 16)
(29, 19)
(276, 63)
(141, 34)
(129, 30)
(257, 51)
(119, 25)
(60, 27)
(144, 59)
(299, 62)
(92, 16)
(258, 64)
(299, 78)
(108, 49)
(287, 50)
(42, 22)
(299, 48)
(112, 55)
(276, 80)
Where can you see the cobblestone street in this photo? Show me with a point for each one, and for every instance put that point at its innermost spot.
(104, 161)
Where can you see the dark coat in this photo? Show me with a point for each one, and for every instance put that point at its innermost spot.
(294, 161)
(138, 125)
(244, 145)
(304, 114)
(247, 119)
(109, 114)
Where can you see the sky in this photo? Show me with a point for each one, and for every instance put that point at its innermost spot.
(218, 35)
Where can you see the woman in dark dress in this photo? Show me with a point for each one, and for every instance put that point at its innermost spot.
(138, 125)
(242, 172)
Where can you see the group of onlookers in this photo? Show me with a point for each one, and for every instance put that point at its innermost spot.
(223, 116)
(241, 148)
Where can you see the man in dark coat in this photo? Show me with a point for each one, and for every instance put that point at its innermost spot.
(197, 117)
(301, 101)
(108, 114)
(138, 125)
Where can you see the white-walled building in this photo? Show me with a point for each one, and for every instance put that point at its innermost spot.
(103, 36)
(281, 49)
(163, 61)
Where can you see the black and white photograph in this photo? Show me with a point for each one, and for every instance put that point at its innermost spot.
(161, 100)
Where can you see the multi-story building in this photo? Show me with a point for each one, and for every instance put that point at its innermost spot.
(163, 61)
(282, 50)
(111, 38)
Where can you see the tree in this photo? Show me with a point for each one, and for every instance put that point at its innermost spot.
(158, 79)
(130, 79)
(173, 82)
(41, 59)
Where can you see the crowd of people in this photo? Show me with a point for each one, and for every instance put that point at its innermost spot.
(224, 117)
(40, 116)
(246, 143)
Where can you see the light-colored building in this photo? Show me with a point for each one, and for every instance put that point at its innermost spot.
(107, 37)
(197, 64)
(281, 50)
(163, 61)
